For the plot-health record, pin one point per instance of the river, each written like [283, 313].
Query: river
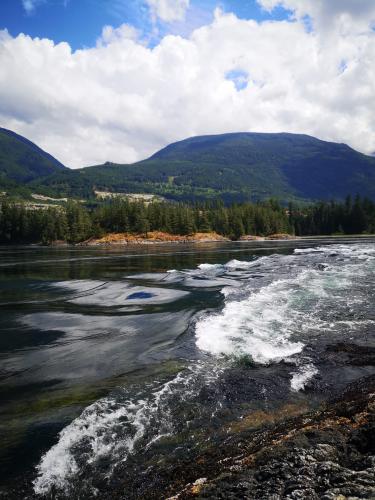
[119, 363]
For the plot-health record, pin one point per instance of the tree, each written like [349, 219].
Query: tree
[204, 223]
[79, 222]
[142, 225]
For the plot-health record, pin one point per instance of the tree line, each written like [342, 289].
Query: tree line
[75, 222]
[353, 216]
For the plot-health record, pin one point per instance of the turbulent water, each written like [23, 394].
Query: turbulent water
[116, 365]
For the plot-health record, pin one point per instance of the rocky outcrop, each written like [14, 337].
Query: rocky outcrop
[278, 236]
[351, 354]
[152, 237]
[327, 454]
[281, 236]
[251, 237]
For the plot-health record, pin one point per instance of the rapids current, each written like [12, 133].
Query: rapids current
[260, 344]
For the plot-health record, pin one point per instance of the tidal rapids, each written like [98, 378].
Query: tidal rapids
[178, 370]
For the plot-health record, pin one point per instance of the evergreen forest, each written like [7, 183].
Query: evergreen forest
[75, 222]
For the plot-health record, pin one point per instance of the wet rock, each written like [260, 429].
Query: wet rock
[351, 354]
[328, 454]
[321, 266]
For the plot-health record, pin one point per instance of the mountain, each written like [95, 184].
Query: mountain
[234, 167]
[273, 164]
[238, 166]
[22, 161]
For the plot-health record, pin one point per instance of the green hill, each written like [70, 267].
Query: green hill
[239, 166]
[235, 167]
[21, 161]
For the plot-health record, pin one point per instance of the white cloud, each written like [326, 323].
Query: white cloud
[345, 15]
[121, 100]
[168, 10]
[111, 35]
[31, 5]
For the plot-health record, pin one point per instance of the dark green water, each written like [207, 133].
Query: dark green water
[145, 340]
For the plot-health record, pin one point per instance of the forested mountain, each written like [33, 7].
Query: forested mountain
[22, 161]
[269, 164]
[235, 167]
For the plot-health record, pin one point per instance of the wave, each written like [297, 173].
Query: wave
[273, 321]
[111, 429]
[259, 326]
[303, 376]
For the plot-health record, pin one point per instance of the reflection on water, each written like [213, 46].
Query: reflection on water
[127, 351]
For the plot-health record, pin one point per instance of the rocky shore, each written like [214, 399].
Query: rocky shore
[291, 452]
[324, 454]
[158, 237]
[151, 238]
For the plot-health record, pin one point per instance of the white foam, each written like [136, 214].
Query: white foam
[113, 428]
[302, 376]
[259, 325]
[361, 251]
[241, 264]
[298, 251]
[266, 322]
[210, 267]
[93, 428]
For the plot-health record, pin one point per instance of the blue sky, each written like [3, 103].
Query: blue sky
[129, 92]
[80, 22]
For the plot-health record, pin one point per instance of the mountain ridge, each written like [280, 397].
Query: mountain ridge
[228, 135]
[239, 166]
[22, 161]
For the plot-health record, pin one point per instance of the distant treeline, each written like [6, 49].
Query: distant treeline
[354, 216]
[75, 223]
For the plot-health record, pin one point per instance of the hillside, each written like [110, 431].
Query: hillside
[236, 167]
[22, 161]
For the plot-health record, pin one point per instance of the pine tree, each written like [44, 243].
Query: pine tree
[204, 223]
[142, 225]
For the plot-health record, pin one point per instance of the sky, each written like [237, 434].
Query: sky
[92, 81]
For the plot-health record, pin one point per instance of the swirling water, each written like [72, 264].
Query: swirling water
[117, 363]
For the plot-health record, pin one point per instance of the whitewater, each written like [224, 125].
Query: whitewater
[275, 314]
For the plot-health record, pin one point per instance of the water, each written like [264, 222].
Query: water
[118, 365]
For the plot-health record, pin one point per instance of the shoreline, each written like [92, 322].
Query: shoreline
[161, 238]
[181, 240]
[135, 242]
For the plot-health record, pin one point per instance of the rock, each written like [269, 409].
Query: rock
[281, 236]
[152, 238]
[59, 243]
[351, 354]
[250, 237]
[330, 455]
